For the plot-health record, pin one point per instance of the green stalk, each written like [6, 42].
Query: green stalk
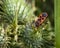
[16, 20]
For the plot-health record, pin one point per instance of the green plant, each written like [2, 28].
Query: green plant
[16, 17]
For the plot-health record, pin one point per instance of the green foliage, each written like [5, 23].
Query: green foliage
[16, 17]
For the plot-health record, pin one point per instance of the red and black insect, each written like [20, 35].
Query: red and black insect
[40, 19]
